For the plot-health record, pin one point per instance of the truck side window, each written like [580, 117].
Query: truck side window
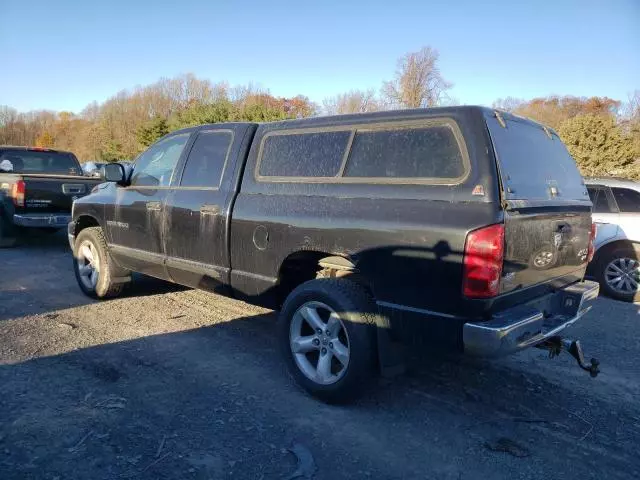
[431, 152]
[303, 154]
[155, 166]
[628, 200]
[207, 159]
[599, 199]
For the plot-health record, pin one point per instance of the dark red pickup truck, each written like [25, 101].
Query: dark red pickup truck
[37, 189]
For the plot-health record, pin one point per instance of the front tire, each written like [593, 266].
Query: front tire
[326, 333]
[94, 268]
[618, 273]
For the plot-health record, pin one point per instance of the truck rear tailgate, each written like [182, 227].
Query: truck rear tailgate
[54, 193]
[547, 209]
[541, 246]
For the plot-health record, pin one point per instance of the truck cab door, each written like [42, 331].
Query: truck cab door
[604, 213]
[138, 225]
[198, 209]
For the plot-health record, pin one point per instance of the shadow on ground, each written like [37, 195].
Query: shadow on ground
[214, 402]
[32, 273]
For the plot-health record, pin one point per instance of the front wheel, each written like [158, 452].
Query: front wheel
[618, 273]
[95, 271]
[327, 336]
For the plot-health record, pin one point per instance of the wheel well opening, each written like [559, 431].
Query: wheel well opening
[609, 247]
[85, 221]
[296, 269]
[302, 266]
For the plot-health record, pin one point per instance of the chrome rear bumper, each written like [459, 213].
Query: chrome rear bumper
[528, 325]
[54, 220]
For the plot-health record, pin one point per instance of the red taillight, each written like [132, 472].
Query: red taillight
[592, 239]
[17, 193]
[483, 258]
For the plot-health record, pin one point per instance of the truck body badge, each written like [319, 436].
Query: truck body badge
[112, 223]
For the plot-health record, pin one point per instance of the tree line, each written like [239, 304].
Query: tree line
[602, 134]
[126, 123]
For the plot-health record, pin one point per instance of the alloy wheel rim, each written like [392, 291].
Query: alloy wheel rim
[88, 264]
[623, 275]
[319, 343]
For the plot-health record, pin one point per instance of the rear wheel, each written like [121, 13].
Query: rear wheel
[618, 272]
[327, 337]
[97, 274]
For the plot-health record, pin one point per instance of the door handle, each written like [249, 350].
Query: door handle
[210, 210]
[153, 206]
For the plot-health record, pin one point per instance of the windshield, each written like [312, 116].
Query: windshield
[534, 163]
[36, 161]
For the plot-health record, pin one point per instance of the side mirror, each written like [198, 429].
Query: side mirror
[114, 172]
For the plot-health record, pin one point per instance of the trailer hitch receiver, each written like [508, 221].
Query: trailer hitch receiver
[555, 345]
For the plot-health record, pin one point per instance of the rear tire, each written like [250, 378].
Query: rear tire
[94, 268]
[614, 265]
[335, 360]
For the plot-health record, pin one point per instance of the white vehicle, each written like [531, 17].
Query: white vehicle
[92, 169]
[616, 211]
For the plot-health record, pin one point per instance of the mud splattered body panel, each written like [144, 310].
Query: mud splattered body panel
[408, 238]
[404, 226]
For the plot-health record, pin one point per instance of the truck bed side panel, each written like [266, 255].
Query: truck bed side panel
[417, 232]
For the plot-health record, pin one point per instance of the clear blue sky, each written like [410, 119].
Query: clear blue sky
[61, 55]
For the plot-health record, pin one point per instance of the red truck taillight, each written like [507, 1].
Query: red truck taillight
[482, 263]
[592, 238]
[17, 193]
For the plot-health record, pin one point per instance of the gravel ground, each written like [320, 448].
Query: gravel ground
[175, 383]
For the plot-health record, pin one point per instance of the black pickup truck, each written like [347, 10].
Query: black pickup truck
[37, 188]
[462, 226]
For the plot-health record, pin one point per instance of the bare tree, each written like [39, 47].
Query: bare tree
[630, 123]
[418, 81]
[508, 104]
[553, 110]
[9, 120]
[220, 91]
[91, 112]
[243, 95]
[354, 101]
[631, 108]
